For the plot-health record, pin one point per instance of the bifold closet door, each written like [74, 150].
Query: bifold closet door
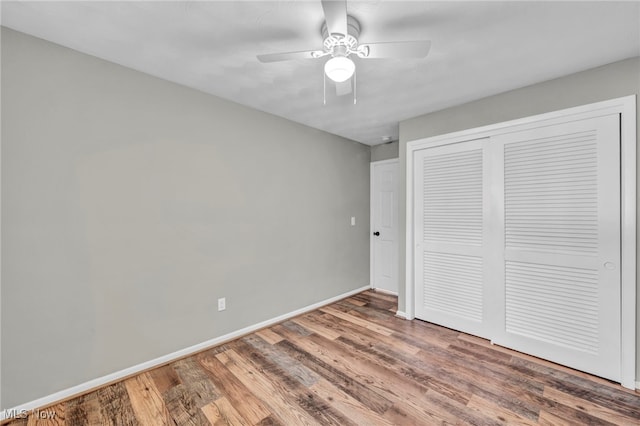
[449, 252]
[562, 244]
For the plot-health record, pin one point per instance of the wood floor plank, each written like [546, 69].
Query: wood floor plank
[495, 364]
[497, 413]
[354, 319]
[363, 335]
[504, 390]
[269, 421]
[438, 380]
[481, 353]
[295, 327]
[297, 391]
[548, 419]
[248, 405]
[269, 336]
[194, 391]
[84, 410]
[434, 408]
[52, 416]
[310, 325]
[213, 415]
[197, 382]
[575, 417]
[397, 415]
[616, 399]
[531, 374]
[398, 325]
[222, 412]
[355, 301]
[293, 368]
[411, 372]
[353, 363]
[184, 407]
[423, 413]
[380, 302]
[279, 399]
[474, 367]
[373, 295]
[115, 405]
[590, 408]
[146, 400]
[358, 390]
[357, 411]
[165, 378]
[445, 376]
[529, 358]
[457, 412]
[426, 340]
[384, 382]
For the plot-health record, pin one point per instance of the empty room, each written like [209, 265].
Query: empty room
[319, 212]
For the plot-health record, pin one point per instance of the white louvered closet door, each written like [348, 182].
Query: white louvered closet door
[517, 239]
[449, 253]
[562, 244]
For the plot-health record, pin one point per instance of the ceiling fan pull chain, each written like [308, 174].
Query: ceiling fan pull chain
[324, 88]
[355, 87]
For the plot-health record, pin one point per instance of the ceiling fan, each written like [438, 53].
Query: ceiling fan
[340, 34]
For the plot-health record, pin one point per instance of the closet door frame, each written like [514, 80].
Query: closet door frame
[626, 108]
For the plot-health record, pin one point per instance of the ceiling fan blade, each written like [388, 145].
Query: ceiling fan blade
[335, 13]
[395, 49]
[343, 88]
[288, 56]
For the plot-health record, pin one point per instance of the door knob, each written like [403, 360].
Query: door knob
[376, 233]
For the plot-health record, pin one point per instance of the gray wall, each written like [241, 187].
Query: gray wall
[598, 84]
[130, 204]
[386, 151]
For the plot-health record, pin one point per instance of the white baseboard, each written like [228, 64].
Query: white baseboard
[127, 372]
[381, 290]
[401, 314]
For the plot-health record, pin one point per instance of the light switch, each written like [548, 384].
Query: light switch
[353, 221]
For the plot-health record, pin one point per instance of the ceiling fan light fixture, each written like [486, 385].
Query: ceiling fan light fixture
[339, 68]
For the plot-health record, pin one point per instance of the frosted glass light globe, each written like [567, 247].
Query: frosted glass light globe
[339, 68]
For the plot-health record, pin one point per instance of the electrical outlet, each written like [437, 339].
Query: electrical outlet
[222, 304]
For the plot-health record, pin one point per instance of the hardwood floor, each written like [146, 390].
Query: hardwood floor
[354, 363]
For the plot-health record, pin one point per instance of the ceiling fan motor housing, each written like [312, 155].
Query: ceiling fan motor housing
[342, 44]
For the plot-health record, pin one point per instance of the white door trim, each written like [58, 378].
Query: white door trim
[626, 107]
[1, 406]
[371, 230]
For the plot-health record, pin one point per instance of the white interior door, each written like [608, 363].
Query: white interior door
[562, 244]
[384, 225]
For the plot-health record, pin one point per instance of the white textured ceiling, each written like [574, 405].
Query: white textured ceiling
[478, 49]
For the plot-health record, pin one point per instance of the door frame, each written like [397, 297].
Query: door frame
[626, 107]
[372, 166]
